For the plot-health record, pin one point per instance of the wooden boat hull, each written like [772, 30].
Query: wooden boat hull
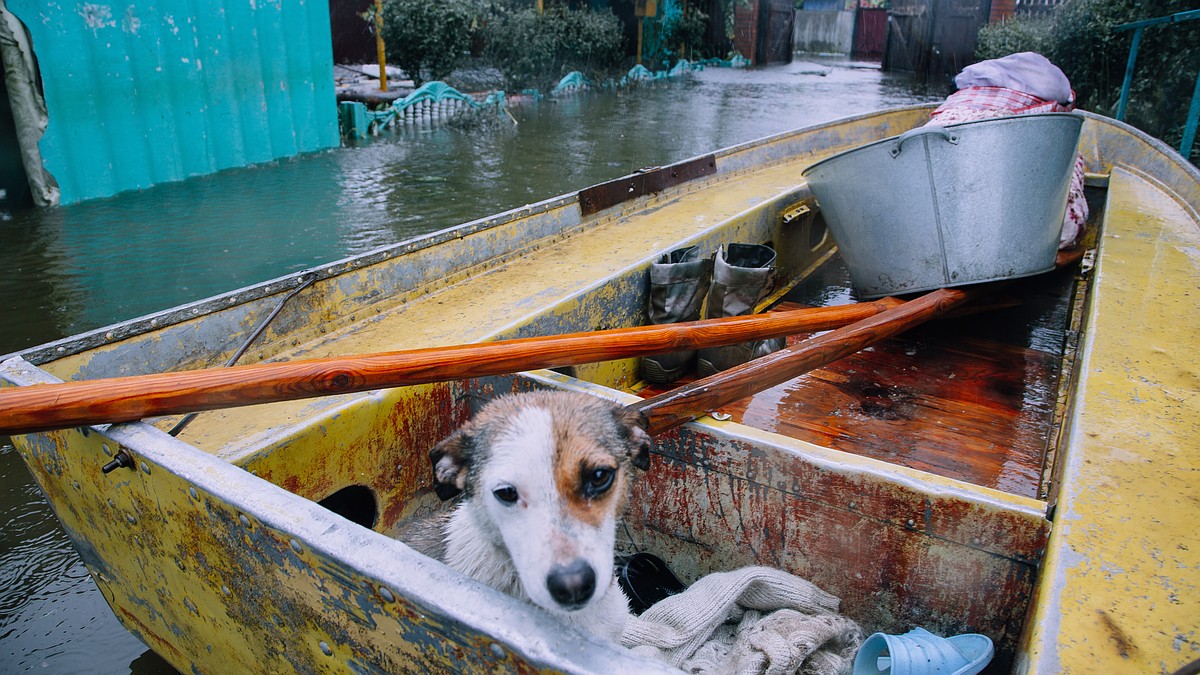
[214, 549]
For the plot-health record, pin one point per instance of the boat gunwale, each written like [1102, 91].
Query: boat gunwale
[1161, 150]
[1112, 589]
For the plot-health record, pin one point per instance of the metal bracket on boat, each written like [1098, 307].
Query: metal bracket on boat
[120, 460]
[645, 182]
[797, 211]
[302, 282]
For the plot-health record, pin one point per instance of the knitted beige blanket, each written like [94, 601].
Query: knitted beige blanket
[752, 620]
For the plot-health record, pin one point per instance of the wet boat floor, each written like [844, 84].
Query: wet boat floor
[971, 397]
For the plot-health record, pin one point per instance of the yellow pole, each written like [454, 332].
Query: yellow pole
[541, 7]
[379, 45]
[682, 16]
[639, 45]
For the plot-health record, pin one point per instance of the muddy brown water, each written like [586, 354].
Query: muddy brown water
[87, 265]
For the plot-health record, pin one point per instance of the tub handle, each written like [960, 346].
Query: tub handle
[945, 133]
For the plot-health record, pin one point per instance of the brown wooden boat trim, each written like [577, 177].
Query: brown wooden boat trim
[649, 181]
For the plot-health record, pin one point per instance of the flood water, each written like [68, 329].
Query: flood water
[87, 265]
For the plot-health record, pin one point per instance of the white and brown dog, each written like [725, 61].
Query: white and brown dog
[544, 477]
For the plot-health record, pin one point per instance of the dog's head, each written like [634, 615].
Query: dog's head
[547, 475]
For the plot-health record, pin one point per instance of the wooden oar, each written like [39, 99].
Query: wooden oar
[691, 401]
[684, 404]
[55, 406]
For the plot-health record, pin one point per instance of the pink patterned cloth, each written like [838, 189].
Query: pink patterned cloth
[980, 103]
[992, 102]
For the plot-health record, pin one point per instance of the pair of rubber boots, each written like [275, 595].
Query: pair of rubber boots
[734, 280]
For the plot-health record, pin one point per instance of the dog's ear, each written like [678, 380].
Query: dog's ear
[637, 425]
[450, 464]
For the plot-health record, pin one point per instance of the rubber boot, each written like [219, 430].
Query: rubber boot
[742, 276]
[678, 282]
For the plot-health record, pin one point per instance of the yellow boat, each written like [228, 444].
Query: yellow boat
[1027, 474]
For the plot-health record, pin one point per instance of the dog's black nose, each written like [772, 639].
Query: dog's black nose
[572, 585]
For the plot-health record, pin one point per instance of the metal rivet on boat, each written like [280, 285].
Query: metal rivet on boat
[911, 522]
[195, 310]
[60, 350]
[145, 468]
[187, 602]
[225, 590]
[104, 447]
[720, 416]
[325, 648]
[853, 506]
[245, 521]
[497, 650]
[976, 541]
[386, 594]
[193, 494]
[76, 483]
[296, 546]
[130, 517]
[108, 335]
[153, 322]
[111, 504]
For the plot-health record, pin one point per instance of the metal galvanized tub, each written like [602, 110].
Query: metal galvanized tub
[948, 206]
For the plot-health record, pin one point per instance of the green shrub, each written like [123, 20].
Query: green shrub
[536, 50]
[1011, 36]
[686, 30]
[424, 37]
[1094, 58]
[1078, 37]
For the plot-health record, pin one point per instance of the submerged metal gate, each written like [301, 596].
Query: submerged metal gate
[870, 32]
[780, 19]
[933, 38]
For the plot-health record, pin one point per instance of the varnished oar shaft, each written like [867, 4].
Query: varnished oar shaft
[124, 399]
[691, 401]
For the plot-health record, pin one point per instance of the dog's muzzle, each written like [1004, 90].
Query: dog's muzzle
[572, 585]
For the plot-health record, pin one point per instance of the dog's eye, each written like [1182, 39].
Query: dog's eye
[597, 481]
[506, 494]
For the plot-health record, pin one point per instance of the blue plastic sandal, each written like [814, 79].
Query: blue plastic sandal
[919, 652]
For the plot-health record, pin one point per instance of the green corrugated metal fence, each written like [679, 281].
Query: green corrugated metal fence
[142, 92]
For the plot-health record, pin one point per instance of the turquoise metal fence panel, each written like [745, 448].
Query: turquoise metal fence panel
[152, 91]
[1193, 117]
